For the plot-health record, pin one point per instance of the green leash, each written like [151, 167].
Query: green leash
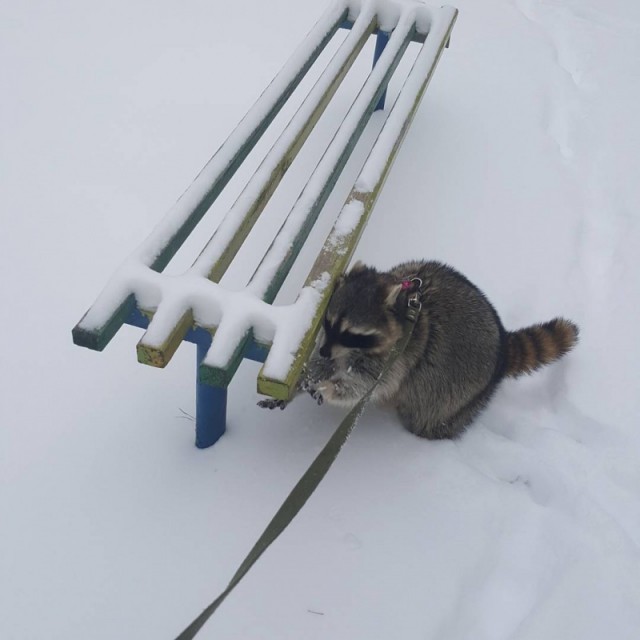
[312, 476]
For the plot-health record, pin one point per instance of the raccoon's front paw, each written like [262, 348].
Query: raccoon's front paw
[332, 390]
[339, 392]
[272, 403]
[309, 386]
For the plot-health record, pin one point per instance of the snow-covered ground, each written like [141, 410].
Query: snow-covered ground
[520, 170]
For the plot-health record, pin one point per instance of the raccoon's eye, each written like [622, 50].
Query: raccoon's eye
[358, 340]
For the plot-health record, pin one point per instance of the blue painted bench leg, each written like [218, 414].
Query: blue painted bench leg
[211, 408]
[381, 42]
[211, 402]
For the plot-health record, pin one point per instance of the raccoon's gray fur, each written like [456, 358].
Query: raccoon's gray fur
[458, 353]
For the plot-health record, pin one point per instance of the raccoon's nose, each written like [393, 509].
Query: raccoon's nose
[325, 351]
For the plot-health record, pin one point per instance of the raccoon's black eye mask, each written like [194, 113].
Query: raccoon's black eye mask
[349, 339]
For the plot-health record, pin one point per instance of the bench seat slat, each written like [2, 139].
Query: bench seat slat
[97, 327]
[275, 265]
[229, 325]
[156, 347]
[277, 262]
[340, 245]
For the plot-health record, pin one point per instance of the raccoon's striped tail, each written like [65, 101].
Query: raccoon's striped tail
[531, 348]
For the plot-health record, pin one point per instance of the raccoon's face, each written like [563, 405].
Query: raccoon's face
[360, 316]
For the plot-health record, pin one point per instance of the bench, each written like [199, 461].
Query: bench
[226, 325]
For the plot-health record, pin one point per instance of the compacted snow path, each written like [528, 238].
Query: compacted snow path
[519, 170]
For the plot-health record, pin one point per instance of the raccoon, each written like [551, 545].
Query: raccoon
[456, 357]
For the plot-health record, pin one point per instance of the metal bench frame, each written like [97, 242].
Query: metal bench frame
[122, 303]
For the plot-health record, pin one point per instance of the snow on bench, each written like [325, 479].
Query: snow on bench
[230, 325]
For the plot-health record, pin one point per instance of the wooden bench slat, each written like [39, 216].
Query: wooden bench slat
[339, 247]
[156, 347]
[267, 279]
[216, 256]
[95, 331]
[274, 267]
[229, 325]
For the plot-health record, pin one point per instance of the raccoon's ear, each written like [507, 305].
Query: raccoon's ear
[357, 267]
[392, 294]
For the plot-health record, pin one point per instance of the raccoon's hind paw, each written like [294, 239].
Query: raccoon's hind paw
[272, 403]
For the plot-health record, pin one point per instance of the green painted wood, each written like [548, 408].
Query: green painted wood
[202, 207]
[334, 257]
[221, 377]
[418, 36]
[97, 339]
[332, 260]
[228, 371]
[160, 355]
[220, 267]
[300, 238]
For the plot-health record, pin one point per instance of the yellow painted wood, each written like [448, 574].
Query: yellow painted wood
[335, 256]
[98, 338]
[285, 262]
[222, 264]
[333, 260]
[160, 355]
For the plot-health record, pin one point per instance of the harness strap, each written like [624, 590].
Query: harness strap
[308, 482]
